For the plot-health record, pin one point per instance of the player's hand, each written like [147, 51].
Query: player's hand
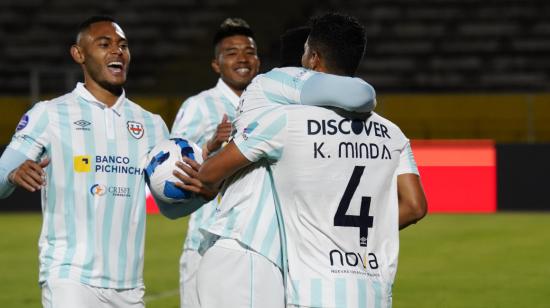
[190, 181]
[222, 134]
[30, 175]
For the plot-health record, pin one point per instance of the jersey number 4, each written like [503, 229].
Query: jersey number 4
[362, 221]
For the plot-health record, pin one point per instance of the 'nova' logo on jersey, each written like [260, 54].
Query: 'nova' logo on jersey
[136, 129]
[82, 163]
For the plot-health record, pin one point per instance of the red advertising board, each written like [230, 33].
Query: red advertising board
[459, 176]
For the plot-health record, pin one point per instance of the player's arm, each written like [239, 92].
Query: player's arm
[16, 169]
[262, 139]
[293, 85]
[222, 165]
[19, 164]
[412, 201]
[351, 94]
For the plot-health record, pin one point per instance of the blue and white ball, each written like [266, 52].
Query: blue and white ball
[162, 163]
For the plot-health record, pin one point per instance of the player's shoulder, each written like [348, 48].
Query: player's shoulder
[52, 104]
[204, 95]
[287, 74]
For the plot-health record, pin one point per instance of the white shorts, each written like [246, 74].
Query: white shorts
[231, 276]
[189, 265]
[66, 293]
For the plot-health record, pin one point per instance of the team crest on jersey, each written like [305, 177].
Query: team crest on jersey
[22, 123]
[136, 129]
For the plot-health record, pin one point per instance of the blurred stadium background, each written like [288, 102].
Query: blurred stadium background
[467, 80]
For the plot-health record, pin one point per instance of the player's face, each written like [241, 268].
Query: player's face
[106, 56]
[237, 61]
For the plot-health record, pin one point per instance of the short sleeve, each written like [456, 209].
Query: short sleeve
[31, 134]
[263, 136]
[407, 163]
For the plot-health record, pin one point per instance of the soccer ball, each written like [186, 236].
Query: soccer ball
[162, 162]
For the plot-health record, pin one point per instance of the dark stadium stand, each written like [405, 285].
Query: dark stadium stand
[415, 47]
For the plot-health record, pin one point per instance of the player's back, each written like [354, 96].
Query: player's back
[336, 182]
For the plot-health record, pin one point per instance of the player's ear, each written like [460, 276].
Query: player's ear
[76, 53]
[215, 65]
[315, 60]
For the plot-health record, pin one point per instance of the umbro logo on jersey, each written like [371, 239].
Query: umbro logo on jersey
[82, 163]
[136, 129]
[82, 125]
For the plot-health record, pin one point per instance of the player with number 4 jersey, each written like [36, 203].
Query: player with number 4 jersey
[335, 181]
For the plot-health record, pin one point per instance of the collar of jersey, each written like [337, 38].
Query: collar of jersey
[227, 92]
[88, 97]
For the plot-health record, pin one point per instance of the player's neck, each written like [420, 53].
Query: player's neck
[107, 96]
[238, 92]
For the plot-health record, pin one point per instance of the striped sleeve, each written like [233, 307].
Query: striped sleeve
[189, 123]
[264, 136]
[30, 136]
[292, 85]
[284, 85]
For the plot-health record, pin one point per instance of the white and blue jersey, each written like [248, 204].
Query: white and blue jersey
[93, 203]
[334, 176]
[247, 208]
[196, 121]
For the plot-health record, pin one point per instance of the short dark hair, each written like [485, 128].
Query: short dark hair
[340, 38]
[292, 46]
[231, 27]
[92, 20]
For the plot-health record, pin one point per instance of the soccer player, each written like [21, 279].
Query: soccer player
[244, 237]
[343, 183]
[206, 120]
[86, 151]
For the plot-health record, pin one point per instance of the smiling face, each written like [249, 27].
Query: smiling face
[236, 61]
[102, 50]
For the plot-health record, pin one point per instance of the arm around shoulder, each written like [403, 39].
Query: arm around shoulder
[351, 94]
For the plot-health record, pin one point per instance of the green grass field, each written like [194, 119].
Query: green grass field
[465, 261]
